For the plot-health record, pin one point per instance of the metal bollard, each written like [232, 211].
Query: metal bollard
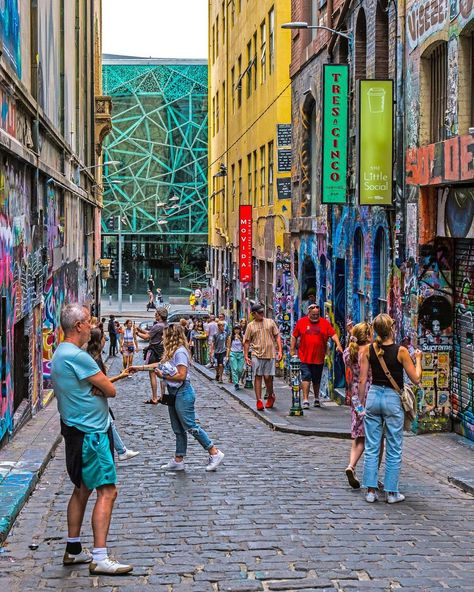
[131, 298]
[110, 299]
[248, 377]
[295, 380]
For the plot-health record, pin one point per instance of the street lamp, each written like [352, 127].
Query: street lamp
[303, 25]
[95, 166]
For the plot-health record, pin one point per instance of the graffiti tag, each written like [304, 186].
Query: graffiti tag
[424, 19]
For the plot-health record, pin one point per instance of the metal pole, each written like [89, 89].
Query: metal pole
[295, 374]
[120, 263]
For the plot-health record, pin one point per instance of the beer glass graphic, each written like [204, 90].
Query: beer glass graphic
[376, 98]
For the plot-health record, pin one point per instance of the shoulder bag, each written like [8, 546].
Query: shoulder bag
[407, 395]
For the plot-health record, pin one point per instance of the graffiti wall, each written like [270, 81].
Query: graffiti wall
[10, 33]
[283, 303]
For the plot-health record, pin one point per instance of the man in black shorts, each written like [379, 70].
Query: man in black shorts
[313, 333]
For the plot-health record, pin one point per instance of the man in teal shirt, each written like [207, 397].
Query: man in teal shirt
[82, 390]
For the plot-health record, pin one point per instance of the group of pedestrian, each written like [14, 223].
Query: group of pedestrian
[196, 298]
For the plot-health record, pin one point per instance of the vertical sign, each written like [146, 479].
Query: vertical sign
[375, 142]
[245, 243]
[335, 132]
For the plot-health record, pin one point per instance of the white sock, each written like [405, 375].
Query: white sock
[73, 539]
[99, 554]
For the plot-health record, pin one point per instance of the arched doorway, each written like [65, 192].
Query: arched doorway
[308, 284]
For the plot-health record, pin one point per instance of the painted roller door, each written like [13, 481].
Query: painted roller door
[463, 364]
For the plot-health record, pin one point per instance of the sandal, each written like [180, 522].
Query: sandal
[353, 481]
[151, 402]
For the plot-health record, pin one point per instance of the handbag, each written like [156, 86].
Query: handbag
[169, 398]
[406, 394]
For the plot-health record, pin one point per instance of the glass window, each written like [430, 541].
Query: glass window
[439, 92]
[239, 81]
[263, 52]
[217, 112]
[232, 78]
[217, 37]
[234, 192]
[271, 39]
[254, 61]
[255, 179]
[270, 173]
[240, 181]
[380, 272]
[263, 174]
[359, 277]
[249, 178]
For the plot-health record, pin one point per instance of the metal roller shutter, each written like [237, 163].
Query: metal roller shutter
[463, 365]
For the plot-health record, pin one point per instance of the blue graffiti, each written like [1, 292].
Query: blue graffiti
[10, 37]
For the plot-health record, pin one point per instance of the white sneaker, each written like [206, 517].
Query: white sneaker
[127, 454]
[172, 465]
[85, 556]
[214, 461]
[394, 498]
[371, 497]
[109, 566]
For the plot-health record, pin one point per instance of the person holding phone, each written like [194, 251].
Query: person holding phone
[128, 343]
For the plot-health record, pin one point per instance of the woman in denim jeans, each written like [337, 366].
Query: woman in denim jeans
[383, 407]
[182, 414]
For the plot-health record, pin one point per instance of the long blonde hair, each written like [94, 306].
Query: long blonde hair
[360, 335]
[383, 325]
[174, 337]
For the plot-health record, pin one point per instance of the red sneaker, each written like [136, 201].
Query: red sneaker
[259, 405]
[270, 401]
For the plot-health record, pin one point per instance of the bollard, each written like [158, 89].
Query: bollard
[295, 380]
[248, 377]
[110, 299]
[131, 298]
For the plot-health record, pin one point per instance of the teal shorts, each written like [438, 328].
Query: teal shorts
[98, 467]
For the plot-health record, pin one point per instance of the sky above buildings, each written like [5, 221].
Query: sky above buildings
[155, 28]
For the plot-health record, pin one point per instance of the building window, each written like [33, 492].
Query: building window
[232, 13]
[361, 46]
[249, 178]
[271, 39]
[249, 69]
[232, 78]
[224, 103]
[217, 112]
[255, 179]
[381, 42]
[234, 192]
[313, 143]
[239, 81]
[255, 61]
[239, 184]
[270, 173]
[263, 174]
[223, 23]
[359, 277]
[263, 52]
[380, 271]
[322, 282]
[438, 92]
[217, 37]
[213, 52]
[214, 116]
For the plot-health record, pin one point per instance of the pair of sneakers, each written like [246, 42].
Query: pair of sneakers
[393, 497]
[212, 464]
[107, 566]
[268, 404]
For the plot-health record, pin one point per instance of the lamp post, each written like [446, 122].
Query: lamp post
[119, 286]
[295, 379]
[303, 25]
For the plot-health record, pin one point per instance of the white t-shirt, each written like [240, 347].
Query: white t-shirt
[180, 358]
[197, 293]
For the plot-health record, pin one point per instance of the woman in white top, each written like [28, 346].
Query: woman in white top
[182, 414]
[128, 343]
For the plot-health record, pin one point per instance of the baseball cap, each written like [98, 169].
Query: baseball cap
[257, 308]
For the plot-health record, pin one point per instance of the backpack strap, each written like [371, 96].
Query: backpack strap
[386, 370]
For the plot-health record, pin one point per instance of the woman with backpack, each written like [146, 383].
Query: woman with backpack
[174, 370]
[383, 406]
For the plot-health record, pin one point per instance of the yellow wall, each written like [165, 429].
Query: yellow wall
[269, 220]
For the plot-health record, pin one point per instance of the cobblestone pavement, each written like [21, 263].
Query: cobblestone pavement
[277, 515]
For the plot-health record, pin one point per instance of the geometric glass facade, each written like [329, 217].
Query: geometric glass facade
[158, 184]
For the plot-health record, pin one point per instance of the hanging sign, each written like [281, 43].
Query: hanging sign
[245, 243]
[375, 142]
[335, 132]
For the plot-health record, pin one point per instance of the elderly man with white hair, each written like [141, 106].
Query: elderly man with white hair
[82, 390]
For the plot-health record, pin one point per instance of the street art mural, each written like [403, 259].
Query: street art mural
[10, 33]
[435, 333]
[283, 304]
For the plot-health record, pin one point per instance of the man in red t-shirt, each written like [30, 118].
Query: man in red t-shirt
[313, 333]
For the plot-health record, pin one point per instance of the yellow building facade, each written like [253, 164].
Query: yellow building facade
[249, 161]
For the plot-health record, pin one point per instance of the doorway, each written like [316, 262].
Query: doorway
[339, 318]
[20, 364]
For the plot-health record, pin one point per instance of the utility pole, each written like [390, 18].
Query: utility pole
[119, 264]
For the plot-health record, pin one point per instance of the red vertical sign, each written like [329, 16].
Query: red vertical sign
[245, 243]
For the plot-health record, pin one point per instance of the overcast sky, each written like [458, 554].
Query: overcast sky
[155, 28]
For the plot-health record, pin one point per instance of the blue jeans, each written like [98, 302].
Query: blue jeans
[383, 406]
[118, 444]
[183, 421]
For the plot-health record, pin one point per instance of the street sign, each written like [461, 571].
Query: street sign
[335, 133]
[245, 243]
[375, 142]
[283, 134]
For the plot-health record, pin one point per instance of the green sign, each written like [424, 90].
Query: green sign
[375, 142]
[335, 133]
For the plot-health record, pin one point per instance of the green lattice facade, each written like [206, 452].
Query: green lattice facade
[159, 137]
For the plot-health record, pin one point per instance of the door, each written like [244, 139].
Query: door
[20, 364]
[463, 363]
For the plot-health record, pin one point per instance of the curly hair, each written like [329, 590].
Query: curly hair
[360, 335]
[174, 337]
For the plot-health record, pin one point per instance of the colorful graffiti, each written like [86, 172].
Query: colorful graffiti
[10, 33]
[283, 303]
